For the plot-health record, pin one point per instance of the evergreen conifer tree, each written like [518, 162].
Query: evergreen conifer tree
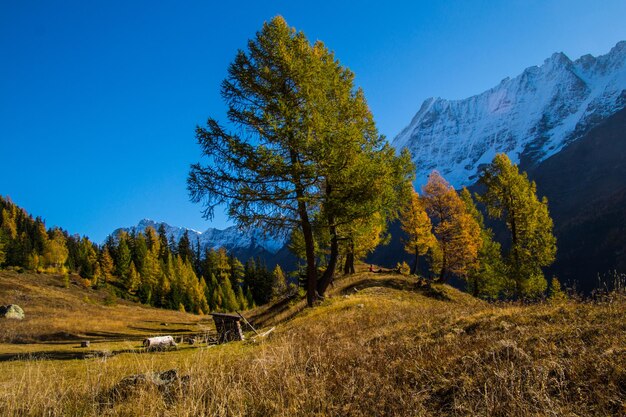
[241, 300]
[236, 271]
[511, 196]
[213, 300]
[310, 138]
[133, 280]
[249, 299]
[279, 285]
[184, 248]
[124, 257]
[106, 265]
[164, 246]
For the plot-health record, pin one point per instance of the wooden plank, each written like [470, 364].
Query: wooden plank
[248, 323]
[226, 316]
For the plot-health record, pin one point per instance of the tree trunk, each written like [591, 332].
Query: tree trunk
[417, 257]
[307, 233]
[475, 292]
[442, 273]
[327, 277]
[348, 267]
[515, 250]
[311, 270]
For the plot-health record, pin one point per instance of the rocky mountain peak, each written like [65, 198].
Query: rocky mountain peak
[530, 117]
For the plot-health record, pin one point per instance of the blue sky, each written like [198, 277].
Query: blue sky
[99, 100]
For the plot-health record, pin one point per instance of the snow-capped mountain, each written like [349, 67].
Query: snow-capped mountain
[230, 238]
[530, 117]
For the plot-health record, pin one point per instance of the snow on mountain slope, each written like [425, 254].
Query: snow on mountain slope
[529, 117]
[229, 238]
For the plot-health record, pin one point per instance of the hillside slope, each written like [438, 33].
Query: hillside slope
[55, 313]
[382, 345]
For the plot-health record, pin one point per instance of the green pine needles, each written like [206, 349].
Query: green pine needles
[305, 153]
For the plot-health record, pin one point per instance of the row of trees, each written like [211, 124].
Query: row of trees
[26, 242]
[448, 229]
[148, 265]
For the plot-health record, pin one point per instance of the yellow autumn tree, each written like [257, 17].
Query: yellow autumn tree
[361, 237]
[418, 228]
[457, 232]
[107, 267]
[55, 251]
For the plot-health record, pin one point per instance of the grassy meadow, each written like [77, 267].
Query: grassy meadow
[380, 345]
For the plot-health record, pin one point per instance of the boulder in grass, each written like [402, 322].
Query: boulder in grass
[170, 384]
[12, 311]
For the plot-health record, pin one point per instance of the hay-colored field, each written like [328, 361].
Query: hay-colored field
[58, 318]
[381, 345]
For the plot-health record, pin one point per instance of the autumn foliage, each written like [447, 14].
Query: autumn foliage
[449, 230]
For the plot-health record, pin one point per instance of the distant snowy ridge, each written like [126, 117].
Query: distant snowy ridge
[229, 238]
[530, 117]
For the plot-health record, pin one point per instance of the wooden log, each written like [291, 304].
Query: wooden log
[159, 342]
[264, 334]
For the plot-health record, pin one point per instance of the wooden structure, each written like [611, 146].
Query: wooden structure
[228, 327]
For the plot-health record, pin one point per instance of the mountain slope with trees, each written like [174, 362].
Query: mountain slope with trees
[146, 266]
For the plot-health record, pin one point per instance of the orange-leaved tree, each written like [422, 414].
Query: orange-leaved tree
[457, 232]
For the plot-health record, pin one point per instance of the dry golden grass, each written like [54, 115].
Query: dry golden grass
[390, 348]
[55, 313]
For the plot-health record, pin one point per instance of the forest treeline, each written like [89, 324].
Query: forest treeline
[146, 266]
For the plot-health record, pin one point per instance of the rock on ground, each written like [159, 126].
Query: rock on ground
[12, 311]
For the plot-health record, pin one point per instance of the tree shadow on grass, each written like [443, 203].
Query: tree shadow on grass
[289, 307]
[263, 318]
[181, 323]
[164, 330]
[402, 284]
[64, 337]
[62, 355]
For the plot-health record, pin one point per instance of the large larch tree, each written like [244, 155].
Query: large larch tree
[302, 138]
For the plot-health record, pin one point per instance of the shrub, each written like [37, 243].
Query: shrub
[403, 268]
